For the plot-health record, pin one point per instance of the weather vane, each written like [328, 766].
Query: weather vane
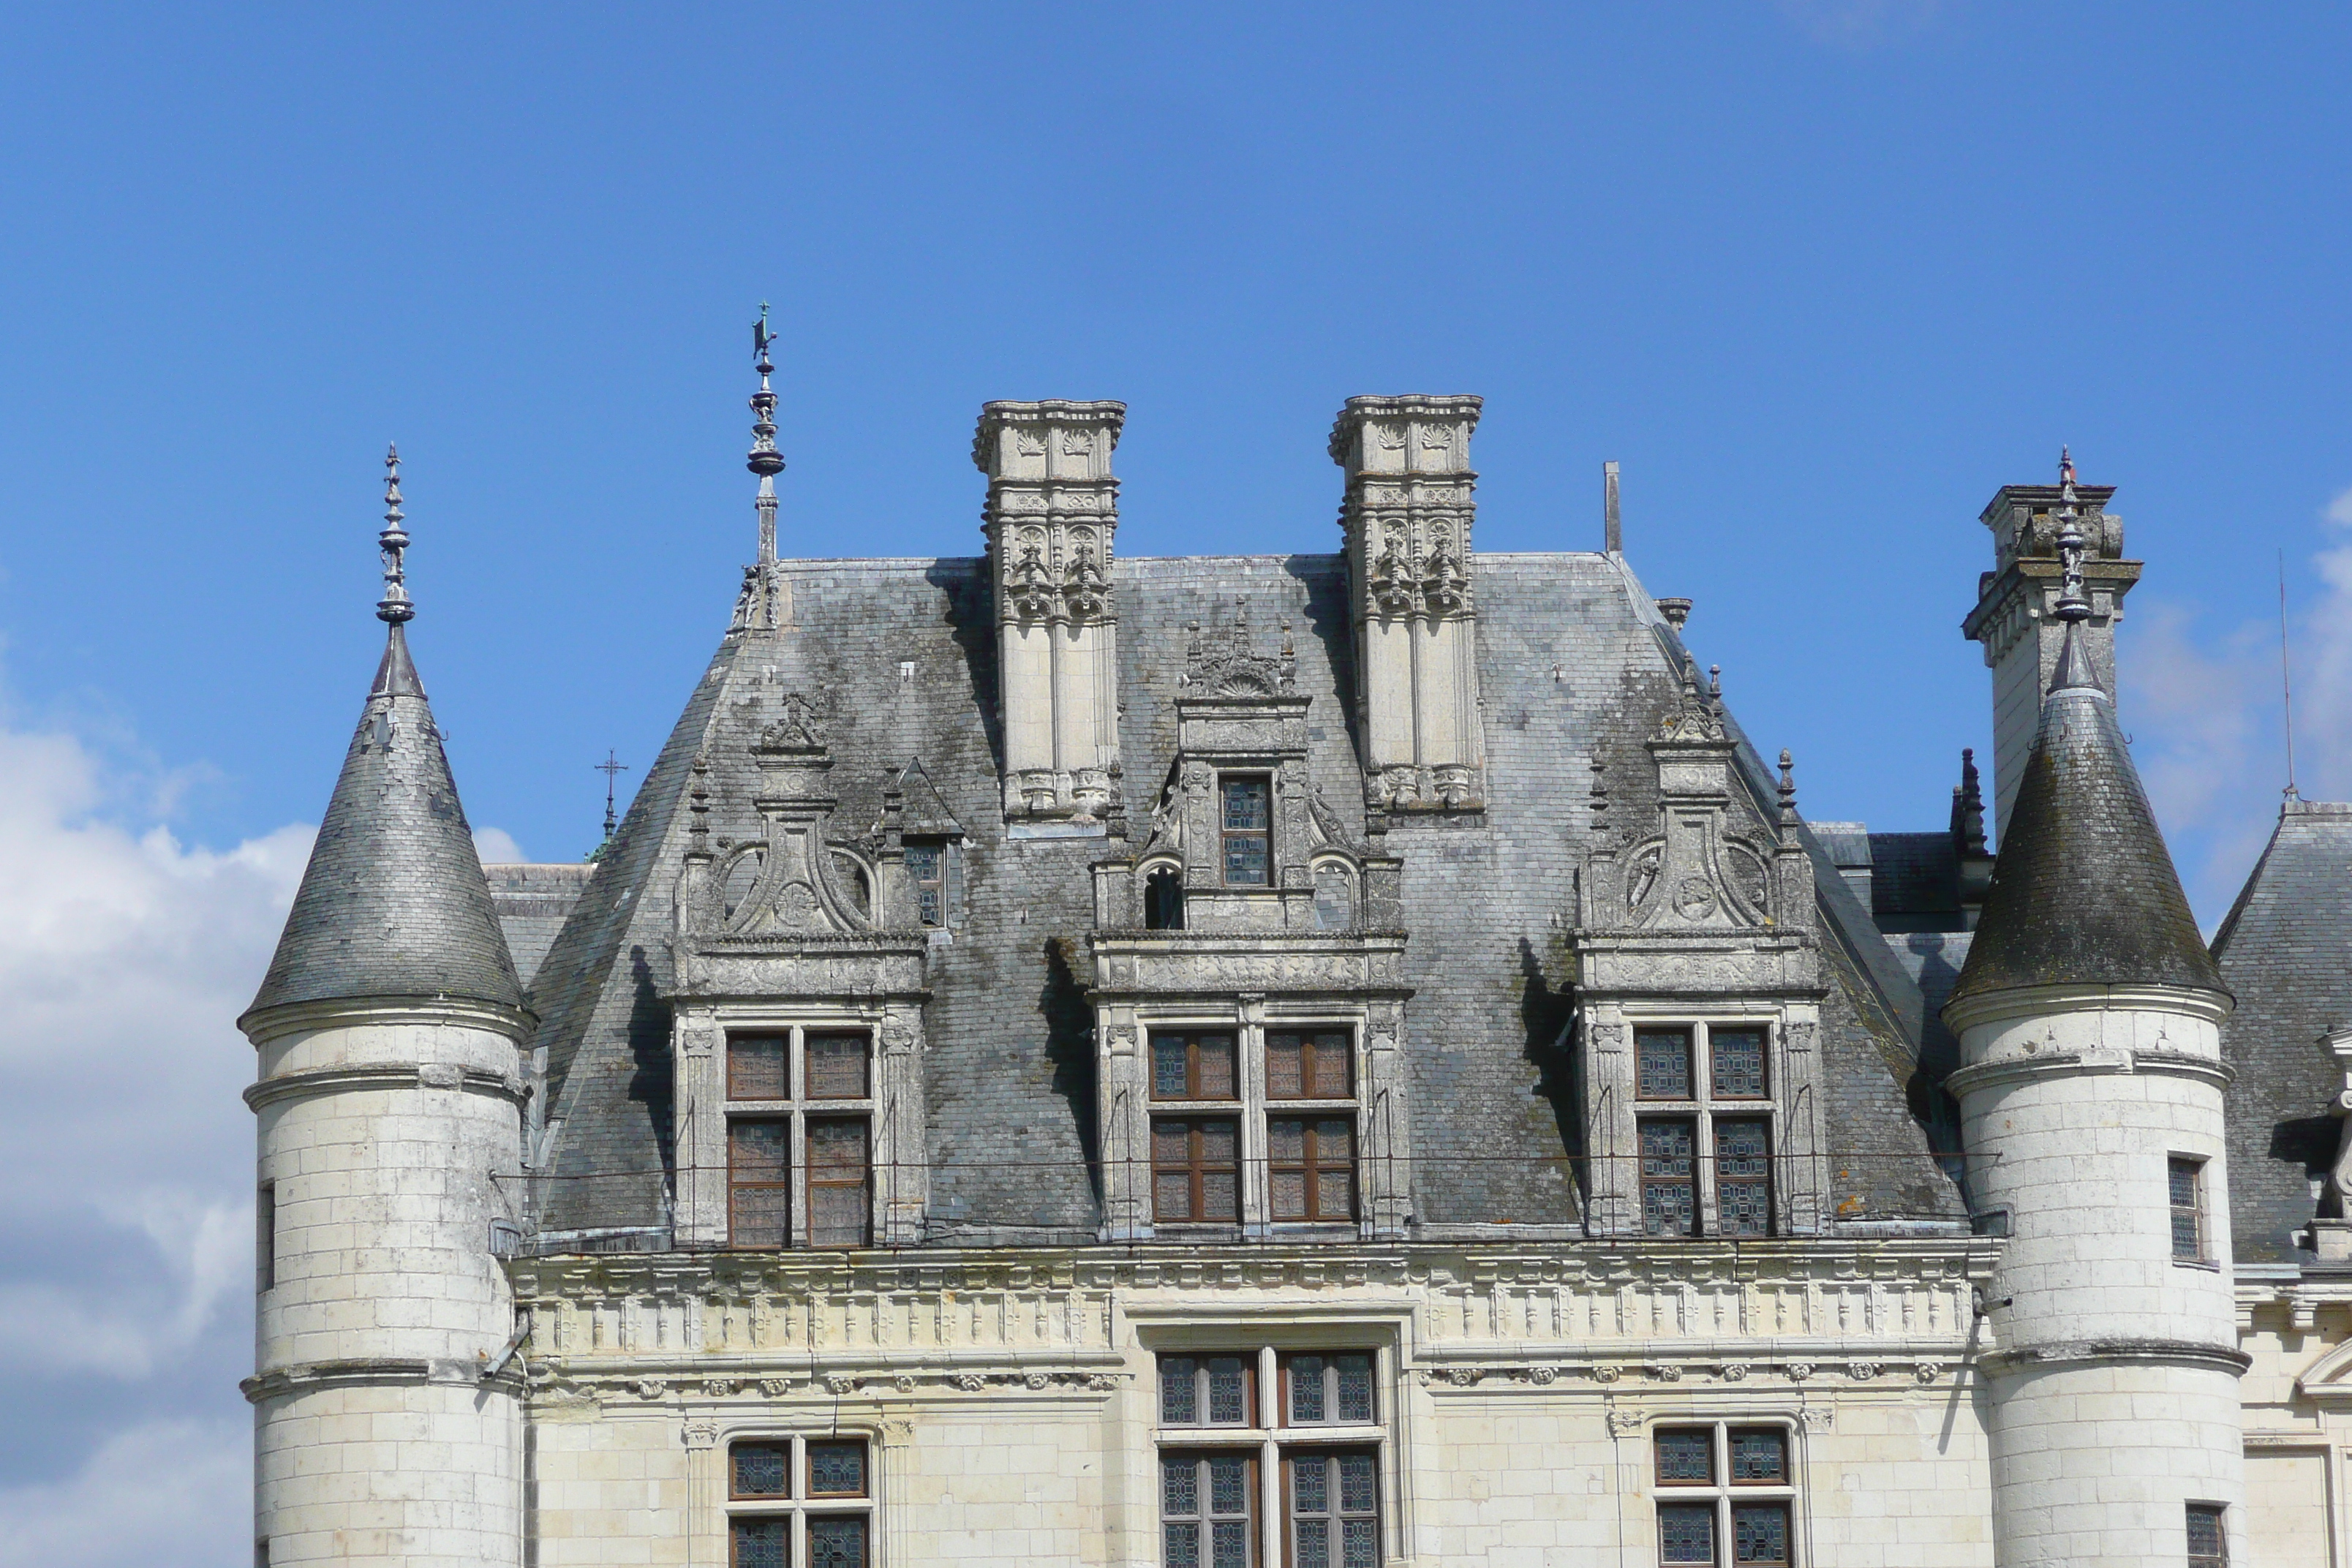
[611, 767]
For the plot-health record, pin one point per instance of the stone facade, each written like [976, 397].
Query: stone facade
[1288, 1061]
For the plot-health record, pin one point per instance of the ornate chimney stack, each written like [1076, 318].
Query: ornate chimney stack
[1406, 519]
[1051, 518]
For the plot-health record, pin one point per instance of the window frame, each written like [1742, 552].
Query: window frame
[1723, 1493]
[2195, 1211]
[935, 885]
[1255, 1110]
[1703, 1109]
[1274, 1442]
[800, 1502]
[1227, 836]
[797, 1109]
[2219, 1514]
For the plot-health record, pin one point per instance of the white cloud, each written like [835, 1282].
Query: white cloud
[126, 1201]
[2204, 710]
[496, 847]
[163, 1491]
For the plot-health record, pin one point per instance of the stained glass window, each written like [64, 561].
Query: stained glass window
[1661, 1064]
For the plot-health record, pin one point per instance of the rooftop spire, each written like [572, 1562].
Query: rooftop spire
[764, 461]
[393, 903]
[394, 608]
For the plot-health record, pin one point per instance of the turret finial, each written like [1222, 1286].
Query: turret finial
[2072, 606]
[394, 608]
[1787, 788]
[764, 460]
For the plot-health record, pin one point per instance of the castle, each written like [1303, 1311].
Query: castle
[1299, 1061]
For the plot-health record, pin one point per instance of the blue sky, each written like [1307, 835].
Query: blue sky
[1820, 275]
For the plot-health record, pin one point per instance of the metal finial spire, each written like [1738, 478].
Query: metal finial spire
[2072, 606]
[394, 606]
[611, 767]
[764, 461]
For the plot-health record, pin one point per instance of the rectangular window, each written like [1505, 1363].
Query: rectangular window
[1327, 1390]
[1736, 1059]
[1207, 1391]
[811, 1493]
[1206, 1509]
[264, 1236]
[1332, 1500]
[758, 1066]
[839, 1178]
[836, 1066]
[1304, 1065]
[1248, 820]
[1669, 1186]
[759, 1182]
[1196, 1170]
[1743, 1177]
[1310, 1164]
[1661, 1064]
[1195, 1066]
[1721, 1483]
[927, 869]
[2187, 1178]
[2208, 1543]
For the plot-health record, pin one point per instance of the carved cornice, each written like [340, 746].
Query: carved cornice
[2107, 1352]
[381, 1075]
[277, 1383]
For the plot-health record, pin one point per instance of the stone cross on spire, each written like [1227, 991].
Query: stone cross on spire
[395, 606]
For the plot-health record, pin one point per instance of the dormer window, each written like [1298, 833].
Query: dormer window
[927, 867]
[1248, 817]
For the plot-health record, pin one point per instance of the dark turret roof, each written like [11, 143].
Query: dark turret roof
[2084, 892]
[392, 903]
[2286, 952]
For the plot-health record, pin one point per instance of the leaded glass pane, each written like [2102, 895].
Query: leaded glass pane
[1355, 1381]
[1743, 1178]
[1759, 1454]
[1314, 1536]
[836, 1469]
[1310, 1486]
[837, 1067]
[1685, 1457]
[1306, 1389]
[837, 1542]
[1171, 1197]
[1229, 1485]
[1738, 1063]
[1179, 1402]
[1218, 1056]
[1183, 1545]
[1245, 804]
[1220, 1196]
[763, 1469]
[1246, 860]
[1288, 1190]
[1360, 1543]
[1759, 1533]
[1230, 1543]
[1286, 1138]
[763, 1542]
[1663, 1064]
[2184, 1235]
[1228, 1392]
[1284, 1059]
[1356, 1489]
[755, 1068]
[1168, 1077]
[2209, 1544]
[1686, 1532]
[1669, 1198]
[2183, 1175]
[1179, 1487]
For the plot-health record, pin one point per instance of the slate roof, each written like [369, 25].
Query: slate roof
[392, 902]
[2286, 952]
[2084, 891]
[899, 655]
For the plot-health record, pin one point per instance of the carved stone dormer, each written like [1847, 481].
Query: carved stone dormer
[1696, 944]
[803, 944]
[1406, 519]
[1250, 911]
[1051, 519]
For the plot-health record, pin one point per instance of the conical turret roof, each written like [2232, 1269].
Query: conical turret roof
[2084, 892]
[392, 903]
